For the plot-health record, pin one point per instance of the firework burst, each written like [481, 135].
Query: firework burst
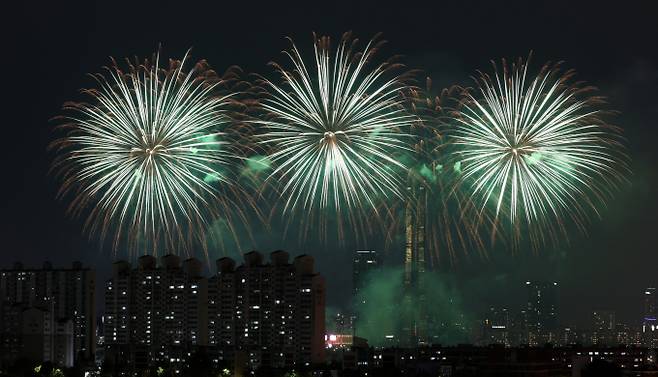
[332, 130]
[537, 149]
[146, 157]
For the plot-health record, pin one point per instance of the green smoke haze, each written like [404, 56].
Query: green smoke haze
[384, 306]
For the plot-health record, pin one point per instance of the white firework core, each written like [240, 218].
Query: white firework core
[146, 155]
[536, 148]
[335, 129]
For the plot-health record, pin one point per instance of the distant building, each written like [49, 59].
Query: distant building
[649, 319]
[650, 303]
[541, 312]
[623, 334]
[46, 338]
[364, 263]
[48, 314]
[155, 313]
[350, 352]
[569, 336]
[267, 314]
[496, 326]
[498, 361]
[604, 328]
[344, 341]
[100, 341]
[342, 323]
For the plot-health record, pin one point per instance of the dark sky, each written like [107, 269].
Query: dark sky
[48, 47]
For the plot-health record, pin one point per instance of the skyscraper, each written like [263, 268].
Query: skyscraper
[415, 262]
[58, 305]
[415, 329]
[541, 312]
[364, 263]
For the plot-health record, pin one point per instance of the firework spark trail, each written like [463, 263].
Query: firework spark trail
[537, 149]
[148, 155]
[332, 130]
[453, 224]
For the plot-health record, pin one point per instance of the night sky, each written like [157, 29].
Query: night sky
[49, 47]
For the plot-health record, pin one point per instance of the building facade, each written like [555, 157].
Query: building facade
[267, 314]
[155, 313]
[48, 314]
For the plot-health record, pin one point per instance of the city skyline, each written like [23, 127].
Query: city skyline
[607, 268]
[43, 288]
[516, 298]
